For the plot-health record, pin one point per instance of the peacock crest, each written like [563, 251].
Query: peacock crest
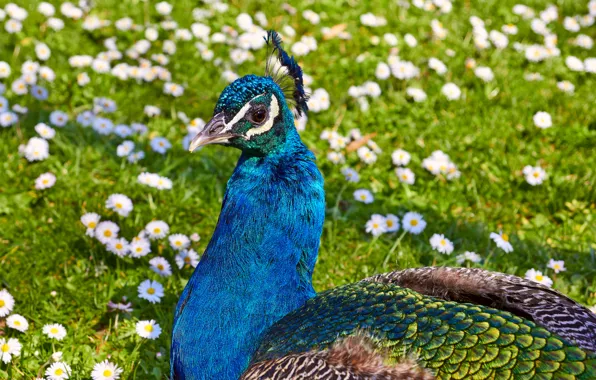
[286, 72]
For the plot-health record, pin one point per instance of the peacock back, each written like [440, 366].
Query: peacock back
[451, 339]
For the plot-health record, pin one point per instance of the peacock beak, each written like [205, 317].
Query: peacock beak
[214, 132]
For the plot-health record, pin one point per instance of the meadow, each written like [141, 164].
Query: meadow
[477, 116]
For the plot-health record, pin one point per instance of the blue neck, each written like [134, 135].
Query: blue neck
[257, 267]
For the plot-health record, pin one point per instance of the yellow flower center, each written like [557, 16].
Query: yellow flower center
[119, 246]
[107, 373]
[160, 266]
[54, 330]
[45, 181]
[151, 291]
[118, 205]
[91, 225]
[443, 242]
[187, 259]
[107, 233]
[375, 225]
[58, 372]
[139, 249]
[505, 237]
[539, 277]
[404, 177]
[389, 223]
[536, 174]
[178, 243]
[17, 323]
[156, 230]
[5, 347]
[2, 303]
[149, 328]
[413, 222]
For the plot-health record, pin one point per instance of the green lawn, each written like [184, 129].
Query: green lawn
[57, 274]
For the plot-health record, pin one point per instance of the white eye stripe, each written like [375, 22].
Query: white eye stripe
[269, 123]
[239, 115]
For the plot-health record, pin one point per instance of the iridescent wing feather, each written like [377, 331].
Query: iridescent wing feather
[451, 339]
[536, 302]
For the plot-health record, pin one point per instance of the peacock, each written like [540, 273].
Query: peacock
[250, 311]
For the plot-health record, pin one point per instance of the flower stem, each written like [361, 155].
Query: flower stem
[394, 247]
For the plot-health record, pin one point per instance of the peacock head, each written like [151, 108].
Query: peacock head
[253, 113]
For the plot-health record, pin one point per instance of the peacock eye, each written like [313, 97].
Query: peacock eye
[259, 115]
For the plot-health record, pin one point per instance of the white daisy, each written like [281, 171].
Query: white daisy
[391, 223]
[119, 203]
[6, 302]
[187, 257]
[58, 118]
[157, 229]
[90, 221]
[179, 241]
[366, 155]
[502, 241]
[410, 40]
[58, 371]
[139, 248]
[574, 63]
[119, 246]
[9, 348]
[543, 120]
[37, 149]
[125, 148]
[537, 276]
[468, 256]
[160, 144]
[413, 222]
[55, 331]
[150, 290]
[364, 196]
[148, 329]
[17, 322]
[350, 174]
[45, 131]
[405, 175]
[376, 225]
[440, 243]
[163, 183]
[566, 86]
[161, 266]
[484, 73]
[451, 91]
[45, 181]
[400, 157]
[534, 175]
[437, 65]
[106, 231]
[57, 356]
[336, 157]
[105, 371]
[416, 94]
[557, 265]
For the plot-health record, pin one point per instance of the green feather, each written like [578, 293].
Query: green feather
[455, 340]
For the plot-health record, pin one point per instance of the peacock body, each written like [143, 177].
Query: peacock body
[454, 340]
[250, 311]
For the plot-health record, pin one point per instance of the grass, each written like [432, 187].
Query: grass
[488, 133]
